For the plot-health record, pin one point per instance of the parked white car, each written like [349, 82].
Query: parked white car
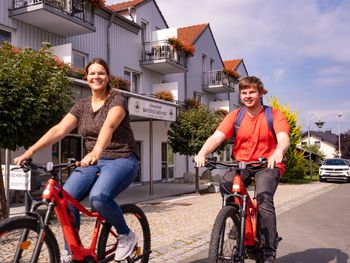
[336, 169]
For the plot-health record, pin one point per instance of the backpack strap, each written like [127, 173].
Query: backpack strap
[269, 118]
[239, 119]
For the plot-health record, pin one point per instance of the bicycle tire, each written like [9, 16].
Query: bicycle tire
[10, 233]
[225, 236]
[138, 223]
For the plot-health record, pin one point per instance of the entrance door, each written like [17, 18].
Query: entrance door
[167, 162]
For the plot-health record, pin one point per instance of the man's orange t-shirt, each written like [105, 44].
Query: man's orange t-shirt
[254, 138]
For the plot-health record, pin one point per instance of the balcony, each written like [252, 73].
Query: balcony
[62, 17]
[217, 81]
[161, 57]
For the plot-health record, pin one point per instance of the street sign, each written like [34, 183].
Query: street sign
[19, 180]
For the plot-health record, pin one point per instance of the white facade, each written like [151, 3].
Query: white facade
[327, 148]
[120, 43]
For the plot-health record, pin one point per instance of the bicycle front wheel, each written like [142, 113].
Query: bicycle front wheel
[18, 236]
[138, 223]
[225, 236]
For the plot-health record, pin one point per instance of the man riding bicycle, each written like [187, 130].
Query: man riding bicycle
[255, 138]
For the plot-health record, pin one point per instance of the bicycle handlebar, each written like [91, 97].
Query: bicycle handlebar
[212, 163]
[49, 167]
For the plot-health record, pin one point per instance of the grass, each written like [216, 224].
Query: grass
[305, 180]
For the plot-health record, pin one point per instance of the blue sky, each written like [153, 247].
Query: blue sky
[300, 49]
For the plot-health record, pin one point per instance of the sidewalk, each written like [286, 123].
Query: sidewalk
[141, 193]
[181, 221]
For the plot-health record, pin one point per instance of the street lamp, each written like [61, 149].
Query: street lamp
[339, 116]
[319, 124]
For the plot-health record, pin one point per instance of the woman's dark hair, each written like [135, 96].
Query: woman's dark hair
[104, 64]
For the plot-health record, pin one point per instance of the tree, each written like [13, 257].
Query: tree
[295, 163]
[191, 129]
[345, 144]
[34, 95]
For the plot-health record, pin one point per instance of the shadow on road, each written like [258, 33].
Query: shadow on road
[316, 255]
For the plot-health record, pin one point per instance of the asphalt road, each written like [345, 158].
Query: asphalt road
[317, 231]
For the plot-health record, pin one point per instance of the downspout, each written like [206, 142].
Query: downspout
[185, 81]
[109, 39]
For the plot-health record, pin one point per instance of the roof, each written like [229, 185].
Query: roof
[326, 136]
[125, 5]
[189, 35]
[134, 3]
[232, 64]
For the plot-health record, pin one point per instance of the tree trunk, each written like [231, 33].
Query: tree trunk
[3, 201]
[196, 180]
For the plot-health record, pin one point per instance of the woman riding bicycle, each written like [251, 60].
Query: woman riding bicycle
[110, 165]
[254, 139]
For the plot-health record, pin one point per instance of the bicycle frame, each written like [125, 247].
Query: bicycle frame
[57, 199]
[249, 213]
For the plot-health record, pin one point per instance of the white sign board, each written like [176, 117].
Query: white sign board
[19, 180]
[150, 109]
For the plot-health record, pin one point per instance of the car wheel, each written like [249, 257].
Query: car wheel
[321, 179]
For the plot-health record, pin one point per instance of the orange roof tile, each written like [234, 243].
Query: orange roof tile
[232, 64]
[188, 35]
[125, 5]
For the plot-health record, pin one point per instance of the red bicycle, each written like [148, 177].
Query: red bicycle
[234, 236]
[29, 238]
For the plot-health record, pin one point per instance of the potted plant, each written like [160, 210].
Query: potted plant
[231, 73]
[166, 95]
[187, 49]
[97, 4]
[119, 83]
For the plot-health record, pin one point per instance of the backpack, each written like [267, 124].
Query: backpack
[268, 116]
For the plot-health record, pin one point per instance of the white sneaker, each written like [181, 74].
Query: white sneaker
[66, 257]
[126, 245]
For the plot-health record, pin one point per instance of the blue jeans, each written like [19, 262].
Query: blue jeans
[114, 176]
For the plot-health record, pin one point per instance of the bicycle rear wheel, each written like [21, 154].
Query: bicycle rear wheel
[138, 223]
[11, 231]
[225, 236]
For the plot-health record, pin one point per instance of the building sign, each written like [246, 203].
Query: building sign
[19, 180]
[150, 109]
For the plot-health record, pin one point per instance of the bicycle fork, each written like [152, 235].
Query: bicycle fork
[41, 236]
[241, 248]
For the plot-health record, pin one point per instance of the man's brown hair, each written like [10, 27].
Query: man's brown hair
[252, 82]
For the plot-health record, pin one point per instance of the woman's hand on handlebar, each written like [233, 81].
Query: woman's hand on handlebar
[89, 159]
[200, 160]
[22, 158]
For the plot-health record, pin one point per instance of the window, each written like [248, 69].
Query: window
[5, 36]
[204, 62]
[197, 96]
[212, 61]
[69, 147]
[79, 59]
[134, 79]
[167, 162]
[144, 37]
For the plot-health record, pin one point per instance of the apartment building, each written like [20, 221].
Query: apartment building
[133, 38]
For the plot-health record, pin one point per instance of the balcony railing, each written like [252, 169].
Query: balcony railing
[217, 81]
[76, 16]
[162, 57]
